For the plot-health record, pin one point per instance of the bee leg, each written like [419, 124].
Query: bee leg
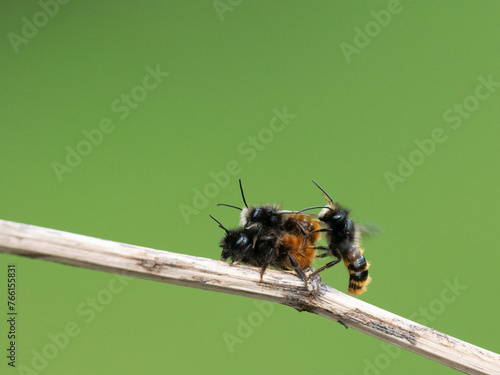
[322, 230]
[236, 259]
[264, 267]
[324, 248]
[303, 231]
[303, 243]
[267, 261]
[328, 265]
[254, 242]
[297, 269]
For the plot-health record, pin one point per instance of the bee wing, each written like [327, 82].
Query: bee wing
[369, 230]
[288, 212]
[311, 208]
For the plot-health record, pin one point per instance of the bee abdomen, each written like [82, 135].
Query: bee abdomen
[358, 275]
[292, 245]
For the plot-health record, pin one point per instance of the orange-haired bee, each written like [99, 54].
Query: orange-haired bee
[301, 232]
[343, 237]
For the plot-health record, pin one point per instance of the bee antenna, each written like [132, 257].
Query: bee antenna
[218, 222]
[324, 192]
[243, 195]
[228, 205]
[311, 208]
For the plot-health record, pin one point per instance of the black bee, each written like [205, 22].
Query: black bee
[343, 237]
[264, 217]
[252, 246]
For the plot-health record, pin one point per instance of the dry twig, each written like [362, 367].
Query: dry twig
[278, 286]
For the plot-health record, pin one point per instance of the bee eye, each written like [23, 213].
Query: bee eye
[257, 213]
[337, 217]
[241, 241]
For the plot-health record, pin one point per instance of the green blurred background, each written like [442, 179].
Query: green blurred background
[363, 85]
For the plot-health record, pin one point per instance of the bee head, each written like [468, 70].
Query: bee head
[267, 216]
[333, 216]
[235, 244]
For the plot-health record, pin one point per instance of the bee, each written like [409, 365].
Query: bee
[343, 238]
[270, 236]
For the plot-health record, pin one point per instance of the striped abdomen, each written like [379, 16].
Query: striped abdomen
[357, 266]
